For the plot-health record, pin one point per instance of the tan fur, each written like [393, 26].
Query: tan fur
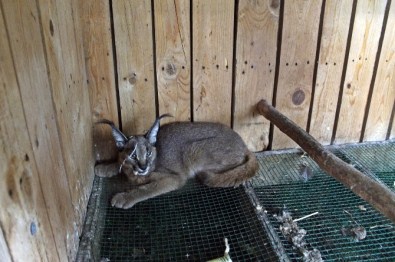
[232, 177]
[164, 159]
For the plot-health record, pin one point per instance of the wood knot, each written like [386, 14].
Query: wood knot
[298, 97]
[274, 7]
[169, 70]
[202, 93]
[133, 79]
[275, 4]
[33, 228]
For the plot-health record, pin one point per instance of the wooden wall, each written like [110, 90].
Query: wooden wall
[46, 159]
[328, 65]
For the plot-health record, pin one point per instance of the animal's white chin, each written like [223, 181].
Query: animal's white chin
[140, 173]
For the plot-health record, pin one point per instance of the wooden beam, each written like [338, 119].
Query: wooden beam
[379, 196]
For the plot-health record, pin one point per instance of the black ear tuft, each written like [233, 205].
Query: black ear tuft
[153, 132]
[119, 137]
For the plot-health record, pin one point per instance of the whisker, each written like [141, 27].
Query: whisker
[120, 168]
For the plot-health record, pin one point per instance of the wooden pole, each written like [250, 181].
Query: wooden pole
[376, 194]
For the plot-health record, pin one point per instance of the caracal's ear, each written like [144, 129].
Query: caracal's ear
[119, 137]
[153, 132]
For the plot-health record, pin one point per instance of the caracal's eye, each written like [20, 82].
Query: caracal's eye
[134, 156]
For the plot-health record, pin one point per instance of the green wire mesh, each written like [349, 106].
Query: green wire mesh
[377, 159]
[186, 225]
[190, 224]
[281, 184]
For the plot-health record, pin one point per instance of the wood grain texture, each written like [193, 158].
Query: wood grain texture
[330, 67]
[134, 47]
[212, 59]
[23, 207]
[96, 23]
[4, 251]
[67, 77]
[25, 36]
[256, 62]
[298, 51]
[383, 96]
[173, 58]
[363, 50]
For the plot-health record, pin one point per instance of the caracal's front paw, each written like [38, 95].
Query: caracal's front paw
[123, 200]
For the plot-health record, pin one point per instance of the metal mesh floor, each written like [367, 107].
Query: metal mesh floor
[190, 224]
[186, 225]
[280, 185]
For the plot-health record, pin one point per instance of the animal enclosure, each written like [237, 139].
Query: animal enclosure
[64, 64]
[190, 224]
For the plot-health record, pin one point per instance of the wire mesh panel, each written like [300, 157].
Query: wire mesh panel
[185, 225]
[283, 185]
[378, 158]
[190, 224]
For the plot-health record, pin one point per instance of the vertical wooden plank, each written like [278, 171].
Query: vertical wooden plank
[77, 139]
[23, 27]
[212, 59]
[330, 66]
[298, 51]
[25, 233]
[134, 47]
[256, 60]
[383, 96]
[363, 50]
[99, 62]
[66, 67]
[173, 55]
